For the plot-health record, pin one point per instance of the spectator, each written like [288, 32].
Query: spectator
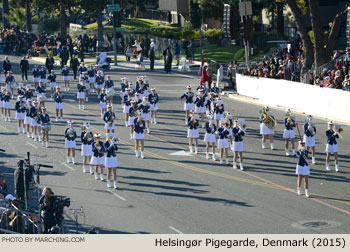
[74, 64]
[193, 48]
[47, 212]
[6, 65]
[49, 63]
[64, 55]
[151, 58]
[168, 62]
[24, 65]
[177, 53]
[169, 17]
[128, 54]
[3, 186]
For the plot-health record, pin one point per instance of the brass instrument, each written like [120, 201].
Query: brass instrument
[70, 132]
[267, 119]
[192, 118]
[242, 126]
[111, 120]
[338, 128]
[37, 115]
[98, 146]
[311, 128]
[139, 121]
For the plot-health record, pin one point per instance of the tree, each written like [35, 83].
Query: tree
[27, 5]
[16, 17]
[5, 10]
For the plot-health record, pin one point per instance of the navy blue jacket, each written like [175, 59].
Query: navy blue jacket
[28, 94]
[103, 97]
[289, 127]
[66, 135]
[10, 78]
[219, 109]
[81, 88]
[109, 84]
[223, 133]
[40, 89]
[139, 129]
[189, 98]
[153, 98]
[42, 73]
[200, 102]
[302, 157]
[36, 72]
[108, 115]
[86, 141]
[96, 151]
[44, 118]
[237, 134]
[189, 123]
[110, 149]
[331, 137]
[65, 72]
[58, 97]
[52, 78]
[307, 131]
[18, 107]
[210, 129]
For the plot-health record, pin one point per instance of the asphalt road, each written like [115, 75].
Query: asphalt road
[185, 193]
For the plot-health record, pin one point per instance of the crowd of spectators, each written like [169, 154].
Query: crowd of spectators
[15, 41]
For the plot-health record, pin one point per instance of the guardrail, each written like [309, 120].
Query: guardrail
[16, 221]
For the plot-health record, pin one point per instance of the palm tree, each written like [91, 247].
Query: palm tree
[17, 17]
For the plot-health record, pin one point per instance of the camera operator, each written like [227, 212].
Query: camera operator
[47, 209]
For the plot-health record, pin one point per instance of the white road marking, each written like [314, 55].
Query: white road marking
[181, 153]
[73, 169]
[4, 128]
[35, 147]
[116, 195]
[176, 230]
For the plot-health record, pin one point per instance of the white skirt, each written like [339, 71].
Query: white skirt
[20, 116]
[36, 79]
[145, 93]
[97, 160]
[44, 81]
[1, 104]
[264, 130]
[58, 105]
[238, 146]
[230, 132]
[66, 78]
[138, 136]
[210, 138]
[188, 106]
[103, 105]
[35, 124]
[309, 141]
[86, 150]
[126, 109]
[70, 144]
[302, 170]
[28, 120]
[7, 105]
[81, 95]
[99, 86]
[111, 162]
[223, 143]
[331, 148]
[288, 134]
[52, 84]
[107, 127]
[199, 109]
[122, 94]
[192, 133]
[146, 117]
[91, 79]
[153, 107]
[131, 120]
[218, 116]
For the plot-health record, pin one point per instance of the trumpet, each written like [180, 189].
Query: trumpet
[338, 128]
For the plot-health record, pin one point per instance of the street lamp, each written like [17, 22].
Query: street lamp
[114, 40]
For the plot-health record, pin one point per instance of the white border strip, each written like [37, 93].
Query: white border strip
[176, 230]
[116, 195]
[73, 169]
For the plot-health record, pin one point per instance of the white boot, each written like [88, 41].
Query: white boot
[24, 130]
[241, 166]
[87, 99]
[79, 106]
[336, 168]
[299, 190]
[263, 146]
[83, 107]
[234, 165]
[227, 162]
[148, 131]
[109, 183]
[272, 146]
[33, 135]
[102, 177]
[137, 153]
[328, 167]
[196, 150]
[155, 121]
[221, 161]
[214, 157]
[56, 119]
[19, 130]
[142, 154]
[8, 119]
[28, 135]
[47, 144]
[97, 175]
[68, 160]
[307, 193]
[42, 144]
[115, 183]
[39, 138]
[61, 119]
[313, 160]
[91, 170]
[35, 139]
[84, 169]
[191, 149]
[207, 155]
[73, 160]
[287, 152]
[294, 154]
[126, 124]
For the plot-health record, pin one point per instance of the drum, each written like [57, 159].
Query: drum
[46, 127]
[41, 97]
[110, 92]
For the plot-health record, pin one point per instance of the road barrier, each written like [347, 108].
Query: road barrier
[324, 102]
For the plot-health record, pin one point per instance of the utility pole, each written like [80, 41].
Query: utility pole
[245, 10]
[200, 35]
[114, 40]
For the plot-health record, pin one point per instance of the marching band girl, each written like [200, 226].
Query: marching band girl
[103, 102]
[35, 115]
[332, 146]
[41, 93]
[36, 76]
[97, 159]
[109, 118]
[10, 83]
[138, 135]
[52, 80]
[219, 111]
[123, 87]
[309, 136]
[202, 86]
[27, 117]
[137, 98]
[2, 95]
[302, 169]
[199, 105]
[58, 104]
[28, 94]
[188, 106]
[140, 86]
[109, 85]
[42, 73]
[86, 147]
[153, 99]
[288, 134]
[21, 91]
[264, 130]
[99, 83]
[91, 75]
[44, 120]
[7, 106]
[85, 81]
[111, 161]
[145, 106]
[126, 106]
[223, 140]
[70, 135]
[192, 131]
[229, 126]
[65, 74]
[20, 113]
[214, 89]
[132, 116]
[238, 134]
[210, 104]
[145, 86]
[81, 95]
[82, 68]
[209, 137]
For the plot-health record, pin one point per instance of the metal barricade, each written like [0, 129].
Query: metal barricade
[16, 221]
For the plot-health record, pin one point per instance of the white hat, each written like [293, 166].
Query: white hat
[153, 89]
[35, 101]
[87, 124]
[324, 69]
[20, 96]
[330, 123]
[97, 135]
[189, 87]
[132, 101]
[109, 105]
[309, 117]
[70, 121]
[9, 197]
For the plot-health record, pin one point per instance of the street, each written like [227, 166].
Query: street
[173, 191]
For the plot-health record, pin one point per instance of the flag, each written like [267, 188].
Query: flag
[203, 72]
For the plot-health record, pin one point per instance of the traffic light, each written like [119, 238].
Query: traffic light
[241, 30]
[117, 19]
[195, 18]
[227, 21]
